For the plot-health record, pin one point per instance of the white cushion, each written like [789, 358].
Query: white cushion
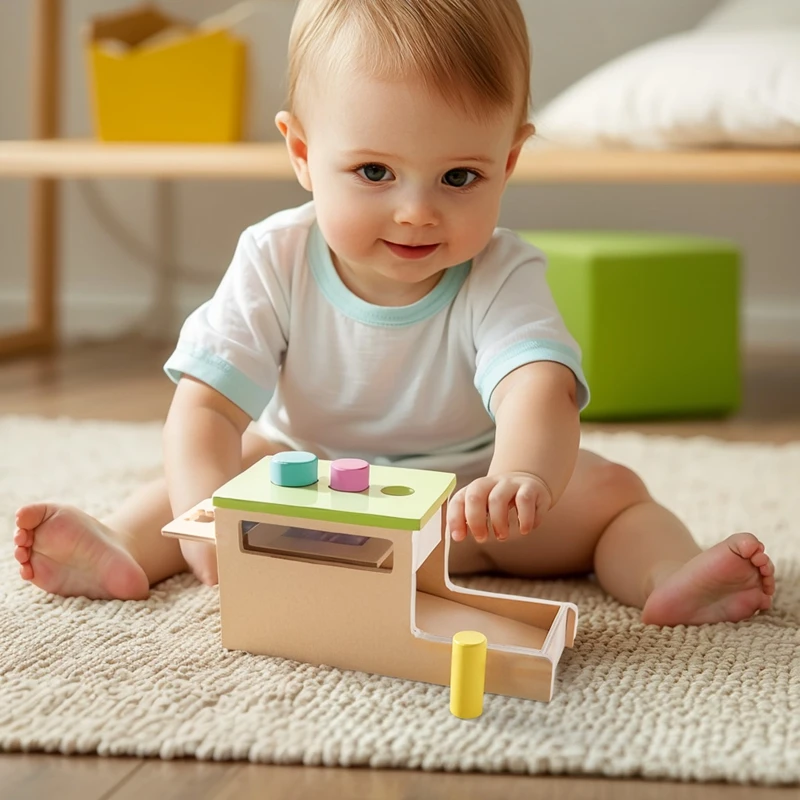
[748, 15]
[702, 88]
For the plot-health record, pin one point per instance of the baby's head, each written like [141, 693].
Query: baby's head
[474, 54]
[405, 119]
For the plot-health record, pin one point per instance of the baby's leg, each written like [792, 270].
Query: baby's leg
[65, 551]
[641, 553]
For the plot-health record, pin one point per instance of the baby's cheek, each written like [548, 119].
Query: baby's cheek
[467, 235]
[478, 235]
[343, 229]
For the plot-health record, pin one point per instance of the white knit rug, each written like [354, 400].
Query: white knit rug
[718, 702]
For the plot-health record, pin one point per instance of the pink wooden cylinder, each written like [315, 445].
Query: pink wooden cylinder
[349, 475]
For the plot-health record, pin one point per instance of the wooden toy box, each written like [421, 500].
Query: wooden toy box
[359, 581]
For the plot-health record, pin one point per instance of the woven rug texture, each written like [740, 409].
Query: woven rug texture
[709, 703]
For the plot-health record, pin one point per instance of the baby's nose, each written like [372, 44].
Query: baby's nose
[417, 211]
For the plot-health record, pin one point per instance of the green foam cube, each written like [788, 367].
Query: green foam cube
[656, 316]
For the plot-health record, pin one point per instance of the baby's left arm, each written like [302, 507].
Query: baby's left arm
[536, 445]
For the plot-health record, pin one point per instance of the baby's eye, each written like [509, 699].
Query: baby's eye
[459, 178]
[374, 173]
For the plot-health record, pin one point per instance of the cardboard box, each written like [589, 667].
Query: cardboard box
[155, 78]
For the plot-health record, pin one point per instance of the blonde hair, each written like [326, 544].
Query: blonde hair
[474, 53]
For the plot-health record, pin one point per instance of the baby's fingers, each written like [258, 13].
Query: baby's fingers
[456, 519]
[526, 501]
[500, 499]
[476, 511]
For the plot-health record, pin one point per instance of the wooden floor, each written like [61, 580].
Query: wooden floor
[123, 380]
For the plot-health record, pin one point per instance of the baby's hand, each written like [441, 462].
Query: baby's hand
[490, 499]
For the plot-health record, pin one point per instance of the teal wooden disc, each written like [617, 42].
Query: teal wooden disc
[294, 469]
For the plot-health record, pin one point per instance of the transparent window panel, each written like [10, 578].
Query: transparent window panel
[309, 544]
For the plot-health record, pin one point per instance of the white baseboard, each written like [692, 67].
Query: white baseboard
[105, 316]
[775, 324]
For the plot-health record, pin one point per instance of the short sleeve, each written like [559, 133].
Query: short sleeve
[236, 340]
[516, 321]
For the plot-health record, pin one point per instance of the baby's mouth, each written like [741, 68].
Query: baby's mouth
[411, 251]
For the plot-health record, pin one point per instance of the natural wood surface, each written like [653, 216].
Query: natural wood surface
[123, 380]
[269, 161]
[42, 329]
[43, 243]
[23, 341]
[35, 777]
[45, 63]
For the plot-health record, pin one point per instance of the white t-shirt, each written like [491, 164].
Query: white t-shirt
[322, 370]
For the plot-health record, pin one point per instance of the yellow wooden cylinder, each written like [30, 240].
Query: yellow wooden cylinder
[467, 674]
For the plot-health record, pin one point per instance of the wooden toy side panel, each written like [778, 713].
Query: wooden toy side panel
[426, 540]
[319, 613]
[572, 625]
[433, 579]
[554, 646]
[197, 524]
[516, 675]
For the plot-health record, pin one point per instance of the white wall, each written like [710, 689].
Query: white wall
[106, 290]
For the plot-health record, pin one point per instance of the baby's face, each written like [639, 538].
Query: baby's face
[404, 185]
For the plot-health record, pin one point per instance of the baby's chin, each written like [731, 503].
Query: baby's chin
[412, 272]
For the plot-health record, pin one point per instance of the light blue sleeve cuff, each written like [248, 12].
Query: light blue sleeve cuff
[525, 353]
[220, 375]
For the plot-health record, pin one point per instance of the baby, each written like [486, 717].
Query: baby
[390, 319]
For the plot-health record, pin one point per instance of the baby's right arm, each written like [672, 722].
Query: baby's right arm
[202, 443]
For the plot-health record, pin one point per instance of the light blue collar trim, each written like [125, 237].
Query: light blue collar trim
[338, 295]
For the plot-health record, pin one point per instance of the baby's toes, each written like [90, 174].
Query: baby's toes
[23, 537]
[746, 545]
[22, 554]
[767, 568]
[29, 516]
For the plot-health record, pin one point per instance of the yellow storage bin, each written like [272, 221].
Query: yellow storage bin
[157, 79]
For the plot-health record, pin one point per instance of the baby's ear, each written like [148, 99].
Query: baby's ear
[523, 134]
[293, 132]
[527, 131]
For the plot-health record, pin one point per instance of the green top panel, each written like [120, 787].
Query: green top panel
[620, 243]
[387, 503]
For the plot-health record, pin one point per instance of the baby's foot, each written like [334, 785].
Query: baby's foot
[730, 582]
[65, 551]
